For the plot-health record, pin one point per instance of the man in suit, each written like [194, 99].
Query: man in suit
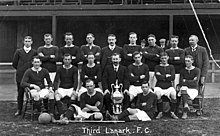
[111, 74]
[21, 62]
[108, 51]
[200, 56]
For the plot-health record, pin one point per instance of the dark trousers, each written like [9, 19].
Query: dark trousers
[20, 97]
[108, 102]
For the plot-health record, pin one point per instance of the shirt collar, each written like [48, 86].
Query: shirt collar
[36, 70]
[68, 67]
[91, 94]
[132, 44]
[194, 46]
[111, 47]
[116, 67]
[69, 45]
[174, 48]
[46, 46]
[27, 49]
[192, 67]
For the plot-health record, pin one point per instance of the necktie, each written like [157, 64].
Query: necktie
[115, 69]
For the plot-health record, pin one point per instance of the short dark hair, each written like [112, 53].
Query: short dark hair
[145, 82]
[91, 35]
[174, 36]
[163, 54]
[143, 41]
[131, 33]
[135, 53]
[27, 37]
[89, 80]
[111, 35]
[189, 56]
[36, 57]
[67, 55]
[116, 54]
[151, 35]
[90, 53]
[48, 35]
[68, 34]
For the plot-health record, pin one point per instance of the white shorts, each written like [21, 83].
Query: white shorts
[176, 80]
[152, 79]
[164, 92]
[83, 115]
[42, 93]
[83, 89]
[142, 115]
[191, 92]
[65, 92]
[135, 90]
[52, 77]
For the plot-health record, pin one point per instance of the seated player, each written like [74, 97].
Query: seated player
[138, 72]
[189, 82]
[34, 79]
[90, 105]
[90, 71]
[65, 83]
[113, 73]
[165, 75]
[145, 106]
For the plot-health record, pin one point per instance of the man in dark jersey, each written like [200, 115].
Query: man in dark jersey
[34, 79]
[138, 73]
[189, 82]
[21, 62]
[176, 57]
[91, 103]
[71, 49]
[90, 47]
[130, 48]
[65, 83]
[165, 75]
[151, 56]
[145, 106]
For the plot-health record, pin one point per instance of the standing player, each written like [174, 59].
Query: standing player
[200, 56]
[108, 51]
[91, 103]
[138, 73]
[176, 57]
[21, 62]
[90, 47]
[111, 74]
[49, 55]
[71, 49]
[65, 83]
[189, 79]
[130, 48]
[151, 56]
[145, 106]
[165, 75]
[34, 79]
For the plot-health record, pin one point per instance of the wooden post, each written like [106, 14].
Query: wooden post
[54, 28]
[170, 25]
[213, 72]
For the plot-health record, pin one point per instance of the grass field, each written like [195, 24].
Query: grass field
[206, 125]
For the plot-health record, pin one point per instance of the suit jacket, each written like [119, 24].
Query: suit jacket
[106, 54]
[201, 59]
[110, 76]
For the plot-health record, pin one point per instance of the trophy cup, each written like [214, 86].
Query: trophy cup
[117, 97]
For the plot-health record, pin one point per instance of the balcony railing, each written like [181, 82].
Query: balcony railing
[98, 2]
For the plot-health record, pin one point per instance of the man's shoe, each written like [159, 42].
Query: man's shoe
[53, 120]
[184, 115]
[172, 114]
[17, 113]
[160, 115]
[186, 109]
[108, 116]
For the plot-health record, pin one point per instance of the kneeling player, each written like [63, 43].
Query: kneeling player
[189, 80]
[165, 75]
[34, 79]
[146, 106]
[65, 82]
[90, 105]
